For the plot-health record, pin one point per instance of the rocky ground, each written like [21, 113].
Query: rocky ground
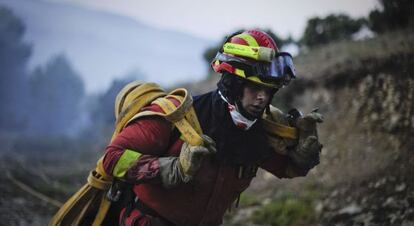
[35, 182]
[385, 199]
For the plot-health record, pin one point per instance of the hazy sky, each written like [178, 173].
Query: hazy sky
[215, 18]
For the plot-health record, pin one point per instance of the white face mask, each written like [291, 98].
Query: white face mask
[239, 120]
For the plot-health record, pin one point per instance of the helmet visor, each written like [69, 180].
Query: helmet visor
[282, 64]
[280, 70]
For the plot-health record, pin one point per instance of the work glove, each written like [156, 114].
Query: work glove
[307, 124]
[191, 157]
[174, 170]
[306, 153]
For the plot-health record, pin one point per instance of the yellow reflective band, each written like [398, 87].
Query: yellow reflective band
[249, 39]
[257, 53]
[257, 80]
[241, 50]
[239, 72]
[127, 159]
[186, 129]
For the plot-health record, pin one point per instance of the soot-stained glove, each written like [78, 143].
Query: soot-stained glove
[308, 123]
[307, 151]
[174, 170]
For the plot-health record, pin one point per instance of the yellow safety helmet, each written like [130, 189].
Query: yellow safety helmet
[254, 55]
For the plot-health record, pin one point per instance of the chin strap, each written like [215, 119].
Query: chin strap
[239, 120]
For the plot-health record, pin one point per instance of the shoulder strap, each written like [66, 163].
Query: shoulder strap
[277, 129]
[183, 117]
[276, 124]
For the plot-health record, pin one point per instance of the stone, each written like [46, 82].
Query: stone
[401, 187]
[350, 209]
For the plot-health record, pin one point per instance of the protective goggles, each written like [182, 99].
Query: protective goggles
[280, 69]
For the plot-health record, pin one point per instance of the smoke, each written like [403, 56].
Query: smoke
[56, 92]
[43, 103]
[14, 54]
[49, 102]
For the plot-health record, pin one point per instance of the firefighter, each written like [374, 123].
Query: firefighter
[175, 183]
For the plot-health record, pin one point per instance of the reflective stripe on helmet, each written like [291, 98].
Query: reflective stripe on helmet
[251, 41]
[257, 53]
[127, 159]
[257, 80]
[239, 72]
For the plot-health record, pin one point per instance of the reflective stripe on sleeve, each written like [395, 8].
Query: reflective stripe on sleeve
[126, 160]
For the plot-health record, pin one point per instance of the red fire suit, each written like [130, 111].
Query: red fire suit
[202, 201]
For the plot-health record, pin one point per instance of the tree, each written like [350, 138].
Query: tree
[56, 92]
[395, 14]
[320, 31]
[14, 54]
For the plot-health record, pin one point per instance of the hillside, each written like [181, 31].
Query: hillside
[366, 92]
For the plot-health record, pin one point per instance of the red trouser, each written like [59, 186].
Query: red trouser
[137, 218]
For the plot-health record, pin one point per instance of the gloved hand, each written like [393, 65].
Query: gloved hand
[307, 123]
[306, 153]
[174, 170]
[191, 157]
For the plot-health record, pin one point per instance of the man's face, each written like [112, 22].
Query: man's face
[255, 99]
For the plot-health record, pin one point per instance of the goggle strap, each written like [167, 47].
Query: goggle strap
[223, 66]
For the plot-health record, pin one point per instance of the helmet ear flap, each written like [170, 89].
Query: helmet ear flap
[231, 86]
